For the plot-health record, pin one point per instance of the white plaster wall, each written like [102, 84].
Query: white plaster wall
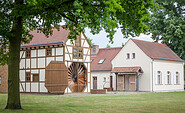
[43, 88]
[100, 80]
[22, 54]
[33, 63]
[34, 87]
[41, 62]
[27, 63]
[48, 60]
[33, 53]
[22, 87]
[22, 75]
[41, 52]
[53, 51]
[22, 63]
[59, 51]
[164, 66]
[42, 75]
[141, 59]
[34, 71]
[59, 58]
[27, 87]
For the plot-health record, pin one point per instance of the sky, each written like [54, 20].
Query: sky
[102, 40]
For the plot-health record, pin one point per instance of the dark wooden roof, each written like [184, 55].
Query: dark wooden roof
[157, 50]
[104, 53]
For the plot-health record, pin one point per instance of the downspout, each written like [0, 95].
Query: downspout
[152, 75]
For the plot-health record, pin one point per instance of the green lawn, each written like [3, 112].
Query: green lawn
[147, 102]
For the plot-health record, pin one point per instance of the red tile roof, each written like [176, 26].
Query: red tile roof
[157, 50]
[104, 53]
[40, 38]
[126, 69]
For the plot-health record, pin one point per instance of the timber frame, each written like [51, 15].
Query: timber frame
[39, 59]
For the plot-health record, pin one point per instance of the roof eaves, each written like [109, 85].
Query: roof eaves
[167, 59]
[102, 70]
[42, 44]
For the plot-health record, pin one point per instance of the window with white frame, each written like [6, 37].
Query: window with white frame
[104, 79]
[159, 77]
[0, 80]
[128, 55]
[168, 77]
[177, 77]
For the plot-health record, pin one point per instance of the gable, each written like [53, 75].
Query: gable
[157, 50]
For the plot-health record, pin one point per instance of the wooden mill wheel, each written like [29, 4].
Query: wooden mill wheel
[77, 77]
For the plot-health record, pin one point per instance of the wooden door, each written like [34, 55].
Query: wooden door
[132, 82]
[94, 82]
[110, 81]
[120, 82]
[126, 82]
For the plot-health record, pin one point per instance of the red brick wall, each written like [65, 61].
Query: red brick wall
[4, 79]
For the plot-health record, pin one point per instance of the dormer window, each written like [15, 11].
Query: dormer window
[92, 60]
[128, 56]
[101, 61]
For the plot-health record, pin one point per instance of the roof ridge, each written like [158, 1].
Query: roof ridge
[112, 48]
[149, 42]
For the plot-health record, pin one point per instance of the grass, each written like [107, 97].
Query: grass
[147, 102]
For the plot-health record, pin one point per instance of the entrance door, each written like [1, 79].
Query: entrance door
[94, 82]
[120, 82]
[132, 82]
[110, 81]
[127, 82]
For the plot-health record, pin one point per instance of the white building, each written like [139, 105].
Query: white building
[54, 64]
[145, 66]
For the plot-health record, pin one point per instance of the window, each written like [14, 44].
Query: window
[49, 52]
[133, 55]
[0, 80]
[35, 77]
[78, 41]
[101, 61]
[128, 55]
[104, 79]
[92, 60]
[177, 78]
[28, 53]
[78, 53]
[159, 77]
[168, 77]
[28, 76]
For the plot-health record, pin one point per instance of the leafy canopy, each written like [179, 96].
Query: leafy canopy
[168, 24]
[43, 15]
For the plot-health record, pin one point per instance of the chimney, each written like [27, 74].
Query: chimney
[94, 50]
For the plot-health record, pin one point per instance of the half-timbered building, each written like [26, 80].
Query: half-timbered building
[55, 64]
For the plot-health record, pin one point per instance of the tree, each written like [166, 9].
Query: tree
[168, 24]
[108, 46]
[19, 17]
[91, 41]
[122, 44]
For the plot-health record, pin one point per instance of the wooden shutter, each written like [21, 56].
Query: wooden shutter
[56, 80]
[35, 77]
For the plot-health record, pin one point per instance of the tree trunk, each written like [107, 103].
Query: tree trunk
[13, 61]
